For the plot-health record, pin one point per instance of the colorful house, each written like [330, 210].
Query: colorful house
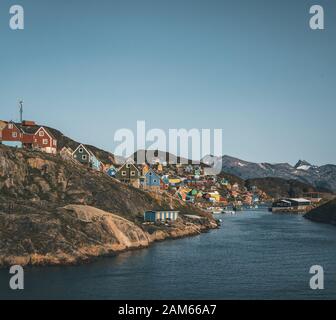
[198, 171]
[83, 155]
[145, 169]
[175, 182]
[164, 182]
[12, 135]
[161, 216]
[129, 173]
[28, 135]
[111, 171]
[152, 180]
[43, 140]
[214, 196]
[224, 182]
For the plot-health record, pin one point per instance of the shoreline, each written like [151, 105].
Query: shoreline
[124, 236]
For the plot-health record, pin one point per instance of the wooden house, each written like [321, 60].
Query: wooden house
[160, 215]
[152, 180]
[83, 155]
[11, 135]
[129, 173]
[145, 169]
[27, 134]
[43, 140]
[111, 171]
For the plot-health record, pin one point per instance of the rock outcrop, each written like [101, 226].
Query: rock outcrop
[78, 233]
[324, 214]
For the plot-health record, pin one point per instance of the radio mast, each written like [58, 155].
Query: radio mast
[21, 110]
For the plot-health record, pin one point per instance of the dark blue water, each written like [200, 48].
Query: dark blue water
[254, 255]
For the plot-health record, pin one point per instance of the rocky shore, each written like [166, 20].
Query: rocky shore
[78, 233]
[324, 214]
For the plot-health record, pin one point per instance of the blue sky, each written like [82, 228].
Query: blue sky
[251, 67]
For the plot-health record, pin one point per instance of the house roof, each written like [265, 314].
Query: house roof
[131, 164]
[151, 171]
[298, 200]
[83, 147]
[33, 129]
[47, 131]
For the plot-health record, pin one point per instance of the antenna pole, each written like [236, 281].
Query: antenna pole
[21, 110]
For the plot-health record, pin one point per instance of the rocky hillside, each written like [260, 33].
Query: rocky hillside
[30, 179]
[279, 188]
[64, 141]
[324, 214]
[37, 223]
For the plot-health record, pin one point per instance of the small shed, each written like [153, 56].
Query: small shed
[160, 215]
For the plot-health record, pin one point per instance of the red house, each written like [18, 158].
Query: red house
[44, 141]
[28, 135]
[12, 135]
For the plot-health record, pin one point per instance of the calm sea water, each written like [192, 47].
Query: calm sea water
[254, 255]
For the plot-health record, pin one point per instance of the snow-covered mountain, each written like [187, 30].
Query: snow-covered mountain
[319, 176]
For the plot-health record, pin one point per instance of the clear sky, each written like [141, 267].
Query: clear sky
[251, 67]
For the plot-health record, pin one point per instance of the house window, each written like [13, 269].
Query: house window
[10, 126]
[45, 141]
[54, 143]
[132, 173]
[80, 150]
[123, 173]
[14, 134]
[84, 157]
[41, 133]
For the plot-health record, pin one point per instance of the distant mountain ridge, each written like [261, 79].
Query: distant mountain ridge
[318, 176]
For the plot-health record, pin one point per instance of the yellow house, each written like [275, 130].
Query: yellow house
[145, 169]
[174, 181]
[215, 195]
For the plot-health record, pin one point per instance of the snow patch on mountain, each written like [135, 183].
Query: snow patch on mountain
[304, 167]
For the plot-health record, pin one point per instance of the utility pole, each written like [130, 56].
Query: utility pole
[21, 110]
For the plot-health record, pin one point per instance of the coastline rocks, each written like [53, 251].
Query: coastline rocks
[78, 233]
[324, 214]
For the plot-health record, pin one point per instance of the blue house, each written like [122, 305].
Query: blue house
[152, 179]
[162, 216]
[111, 171]
[95, 163]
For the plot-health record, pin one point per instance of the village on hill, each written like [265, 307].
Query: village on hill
[187, 182]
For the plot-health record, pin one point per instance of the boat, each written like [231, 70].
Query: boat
[228, 212]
